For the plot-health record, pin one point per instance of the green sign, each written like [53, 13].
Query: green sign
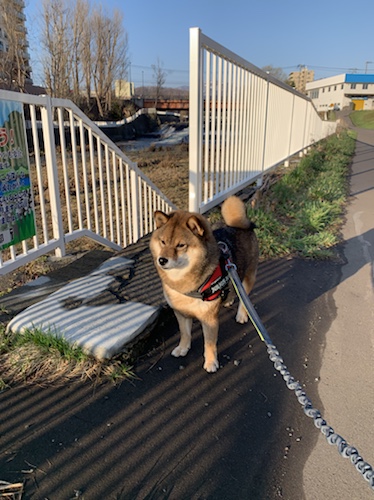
[17, 220]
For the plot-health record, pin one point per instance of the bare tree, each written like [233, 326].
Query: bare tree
[276, 72]
[109, 46]
[86, 56]
[85, 51]
[160, 76]
[79, 25]
[57, 44]
[13, 62]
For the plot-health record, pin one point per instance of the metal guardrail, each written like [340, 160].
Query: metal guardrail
[242, 122]
[83, 184]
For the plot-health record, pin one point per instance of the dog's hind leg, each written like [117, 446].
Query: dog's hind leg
[185, 326]
[210, 331]
[248, 282]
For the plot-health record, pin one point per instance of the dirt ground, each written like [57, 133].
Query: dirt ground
[167, 167]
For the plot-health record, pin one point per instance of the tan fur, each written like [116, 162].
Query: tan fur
[185, 253]
[233, 213]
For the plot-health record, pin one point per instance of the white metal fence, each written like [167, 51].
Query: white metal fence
[242, 122]
[83, 184]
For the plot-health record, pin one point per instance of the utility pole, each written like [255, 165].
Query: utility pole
[366, 66]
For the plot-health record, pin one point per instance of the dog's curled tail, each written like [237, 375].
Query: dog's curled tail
[234, 213]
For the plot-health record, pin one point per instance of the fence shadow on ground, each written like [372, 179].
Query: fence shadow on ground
[176, 431]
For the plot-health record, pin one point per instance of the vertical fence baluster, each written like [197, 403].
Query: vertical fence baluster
[52, 174]
[134, 205]
[88, 223]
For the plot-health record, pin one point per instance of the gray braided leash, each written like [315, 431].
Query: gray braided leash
[344, 449]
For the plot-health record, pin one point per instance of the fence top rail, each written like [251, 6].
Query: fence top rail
[38, 100]
[213, 46]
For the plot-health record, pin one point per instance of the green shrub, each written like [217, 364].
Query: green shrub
[301, 213]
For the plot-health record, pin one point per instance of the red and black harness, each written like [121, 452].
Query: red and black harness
[217, 285]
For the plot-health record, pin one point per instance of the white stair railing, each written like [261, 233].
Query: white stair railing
[82, 183]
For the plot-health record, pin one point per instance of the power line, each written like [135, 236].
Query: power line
[326, 68]
[170, 70]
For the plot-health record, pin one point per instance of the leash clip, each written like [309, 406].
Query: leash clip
[230, 265]
[227, 256]
[224, 248]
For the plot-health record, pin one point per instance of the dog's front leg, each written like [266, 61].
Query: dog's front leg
[210, 331]
[185, 326]
[248, 282]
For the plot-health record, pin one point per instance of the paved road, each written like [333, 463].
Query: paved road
[177, 432]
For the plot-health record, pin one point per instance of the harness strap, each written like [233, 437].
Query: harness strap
[217, 284]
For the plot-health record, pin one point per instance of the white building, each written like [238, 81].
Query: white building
[341, 91]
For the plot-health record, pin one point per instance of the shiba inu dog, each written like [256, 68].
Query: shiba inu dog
[187, 256]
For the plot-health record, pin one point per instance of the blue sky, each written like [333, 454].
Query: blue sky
[329, 36]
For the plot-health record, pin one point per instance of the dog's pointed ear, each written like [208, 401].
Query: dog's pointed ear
[160, 218]
[196, 225]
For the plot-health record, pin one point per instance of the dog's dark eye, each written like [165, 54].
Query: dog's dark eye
[162, 242]
[181, 245]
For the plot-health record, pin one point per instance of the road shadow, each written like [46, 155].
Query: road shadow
[176, 431]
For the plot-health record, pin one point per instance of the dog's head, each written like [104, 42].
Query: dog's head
[180, 241]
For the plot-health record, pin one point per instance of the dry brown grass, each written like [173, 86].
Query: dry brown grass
[11, 491]
[167, 167]
[27, 364]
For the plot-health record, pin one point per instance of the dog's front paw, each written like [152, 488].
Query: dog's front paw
[180, 351]
[228, 302]
[211, 366]
[241, 317]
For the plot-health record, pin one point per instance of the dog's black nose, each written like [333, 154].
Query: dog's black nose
[162, 261]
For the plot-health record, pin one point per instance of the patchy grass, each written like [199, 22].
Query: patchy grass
[363, 119]
[301, 214]
[38, 357]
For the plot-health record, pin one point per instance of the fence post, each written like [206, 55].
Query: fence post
[52, 175]
[306, 140]
[287, 162]
[195, 121]
[259, 181]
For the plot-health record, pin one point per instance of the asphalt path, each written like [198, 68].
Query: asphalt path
[177, 432]
[347, 372]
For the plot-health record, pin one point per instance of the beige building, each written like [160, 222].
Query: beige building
[124, 89]
[338, 92]
[301, 78]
